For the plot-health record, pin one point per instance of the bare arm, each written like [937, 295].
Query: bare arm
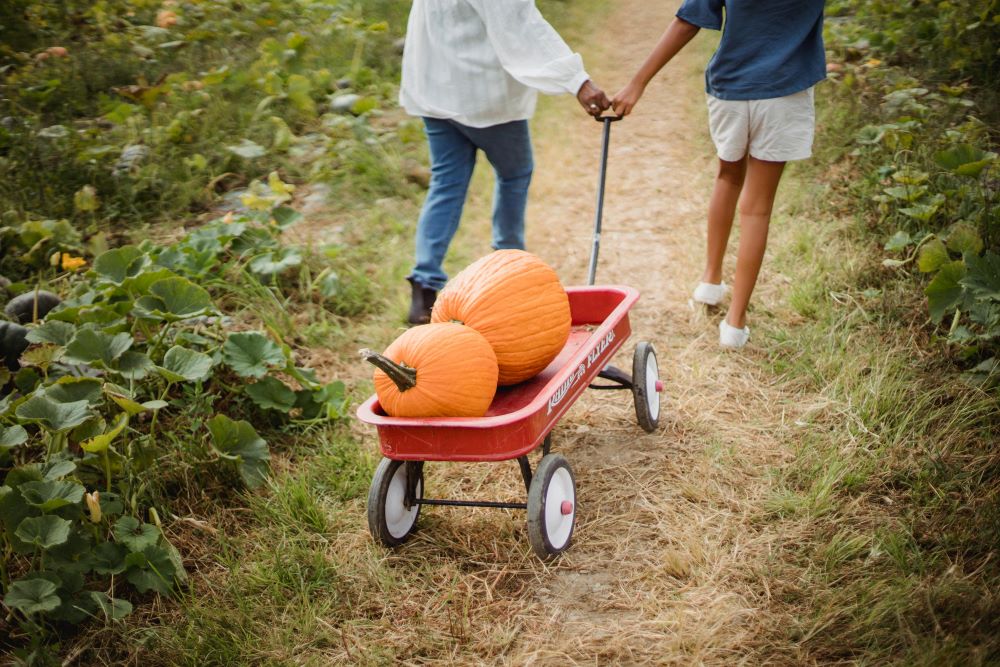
[677, 35]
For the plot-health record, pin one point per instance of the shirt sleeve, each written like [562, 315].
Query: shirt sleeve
[702, 13]
[530, 49]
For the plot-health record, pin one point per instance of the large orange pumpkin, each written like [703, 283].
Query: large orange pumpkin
[436, 370]
[517, 302]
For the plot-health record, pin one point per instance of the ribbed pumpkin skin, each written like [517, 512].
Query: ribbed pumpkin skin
[517, 302]
[456, 373]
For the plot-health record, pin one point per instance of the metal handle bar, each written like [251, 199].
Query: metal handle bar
[606, 120]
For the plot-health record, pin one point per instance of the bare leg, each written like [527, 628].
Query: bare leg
[721, 209]
[756, 203]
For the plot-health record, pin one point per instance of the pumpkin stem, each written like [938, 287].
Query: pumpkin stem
[404, 376]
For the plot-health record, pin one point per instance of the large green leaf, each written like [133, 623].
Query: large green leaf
[965, 160]
[182, 364]
[118, 264]
[101, 443]
[56, 469]
[28, 473]
[329, 284]
[134, 408]
[271, 393]
[50, 495]
[189, 261]
[72, 559]
[70, 389]
[13, 510]
[108, 557]
[933, 255]
[899, 241]
[133, 365]
[151, 569]
[328, 402]
[11, 437]
[239, 442]
[76, 607]
[134, 534]
[32, 595]
[964, 239]
[92, 346]
[96, 315]
[983, 277]
[53, 415]
[111, 608]
[127, 403]
[52, 332]
[276, 262]
[924, 210]
[175, 299]
[44, 532]
[945, 291]
[285, 217]
[141, 283]
[251, 354]
[905, 193]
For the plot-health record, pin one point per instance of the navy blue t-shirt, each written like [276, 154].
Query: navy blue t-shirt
[769, 48]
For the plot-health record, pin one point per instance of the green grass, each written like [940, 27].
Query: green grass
[889, 511]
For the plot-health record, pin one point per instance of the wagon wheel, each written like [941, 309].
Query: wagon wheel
[390, 520]
[551, 507]
[646, 386]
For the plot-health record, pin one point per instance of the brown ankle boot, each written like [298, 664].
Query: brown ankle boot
[421, 301]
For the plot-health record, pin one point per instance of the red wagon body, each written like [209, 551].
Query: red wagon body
[522, 415]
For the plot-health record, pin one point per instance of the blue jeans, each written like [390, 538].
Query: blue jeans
[453, 149]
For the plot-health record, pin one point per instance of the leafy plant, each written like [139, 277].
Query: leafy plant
[931, 176]
[135, 354]
[135, 112]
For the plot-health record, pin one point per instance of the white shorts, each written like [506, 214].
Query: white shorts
[776, 130]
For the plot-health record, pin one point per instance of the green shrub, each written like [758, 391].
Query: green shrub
[134, 380]
[156, 110]
[929, 174]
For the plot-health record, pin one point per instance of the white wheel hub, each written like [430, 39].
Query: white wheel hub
[560, 508]
[652, 390]
[398, 519]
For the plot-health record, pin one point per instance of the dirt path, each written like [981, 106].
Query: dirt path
[670, 559]
[668, 563]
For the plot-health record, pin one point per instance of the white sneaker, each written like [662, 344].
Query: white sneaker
[731, 337]
[709, 294]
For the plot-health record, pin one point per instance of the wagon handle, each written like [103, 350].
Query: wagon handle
[606, 121]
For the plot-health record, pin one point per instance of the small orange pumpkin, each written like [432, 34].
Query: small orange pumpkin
[436, 370]
[515, 300]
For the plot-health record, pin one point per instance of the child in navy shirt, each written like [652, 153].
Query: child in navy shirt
[759, 85]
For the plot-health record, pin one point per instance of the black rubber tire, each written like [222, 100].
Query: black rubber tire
[538, 535]
[377, 495]
[647, 420]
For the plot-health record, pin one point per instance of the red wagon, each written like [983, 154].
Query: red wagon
[520, 419]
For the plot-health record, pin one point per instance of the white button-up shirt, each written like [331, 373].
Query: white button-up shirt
[480, 62]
